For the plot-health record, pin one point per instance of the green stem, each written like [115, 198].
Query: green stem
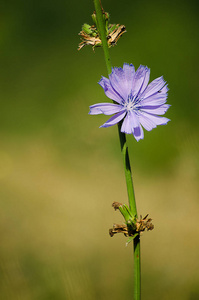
[137, 268]
[126, 160]
[127, 170]
[102, 31]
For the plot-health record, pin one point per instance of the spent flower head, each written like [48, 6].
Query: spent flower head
[135, 102]
[90, 35]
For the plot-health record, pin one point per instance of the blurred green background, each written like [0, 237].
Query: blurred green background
[59, 173]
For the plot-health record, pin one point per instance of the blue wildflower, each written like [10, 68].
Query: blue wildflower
[136, 102]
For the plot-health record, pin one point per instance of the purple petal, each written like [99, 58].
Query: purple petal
[159, 120]
[105, 108]
[141, 80]
[131, 125]
[157, 98]
[127, 124]
[154, 87]
[134, 119]
[146, 80]
[157, 102]
[138, 133]
[129, 72]
[119, 82]
[109, 91]
[154, 100]
[149, 121]
[146, 122]
[156, 110]
[115, 119]
[164, 90]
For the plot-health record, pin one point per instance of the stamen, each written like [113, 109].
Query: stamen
[132, 103]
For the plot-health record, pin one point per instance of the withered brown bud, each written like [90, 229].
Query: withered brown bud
[132, 228]
[118, 228]
[144, 223]
[90, 35]
[114, 36]
[116, 205]
[89, 39]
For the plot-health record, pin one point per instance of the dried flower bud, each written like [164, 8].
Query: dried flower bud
[90, 36]
[133, 227]
[116, 205]
[118, 228]
[115, 34]
[144, 223]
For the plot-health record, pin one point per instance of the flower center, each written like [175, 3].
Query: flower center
[129, 105]
[132, 103]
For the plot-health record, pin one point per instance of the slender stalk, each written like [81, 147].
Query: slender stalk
[137, 268]
[127, 170]
[126, 160]
[102, 31]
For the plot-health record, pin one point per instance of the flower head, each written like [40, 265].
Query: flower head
[135, 102]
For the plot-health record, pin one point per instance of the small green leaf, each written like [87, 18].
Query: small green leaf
[112, 27]
[131, 238]
[87, 28]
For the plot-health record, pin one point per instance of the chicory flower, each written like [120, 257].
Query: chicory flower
[135, 102]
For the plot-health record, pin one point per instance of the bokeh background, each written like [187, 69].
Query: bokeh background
[60, 173]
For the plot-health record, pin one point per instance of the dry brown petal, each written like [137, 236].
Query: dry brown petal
[89, 40]
[116, 205]
[118, 228]
[114, 36]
